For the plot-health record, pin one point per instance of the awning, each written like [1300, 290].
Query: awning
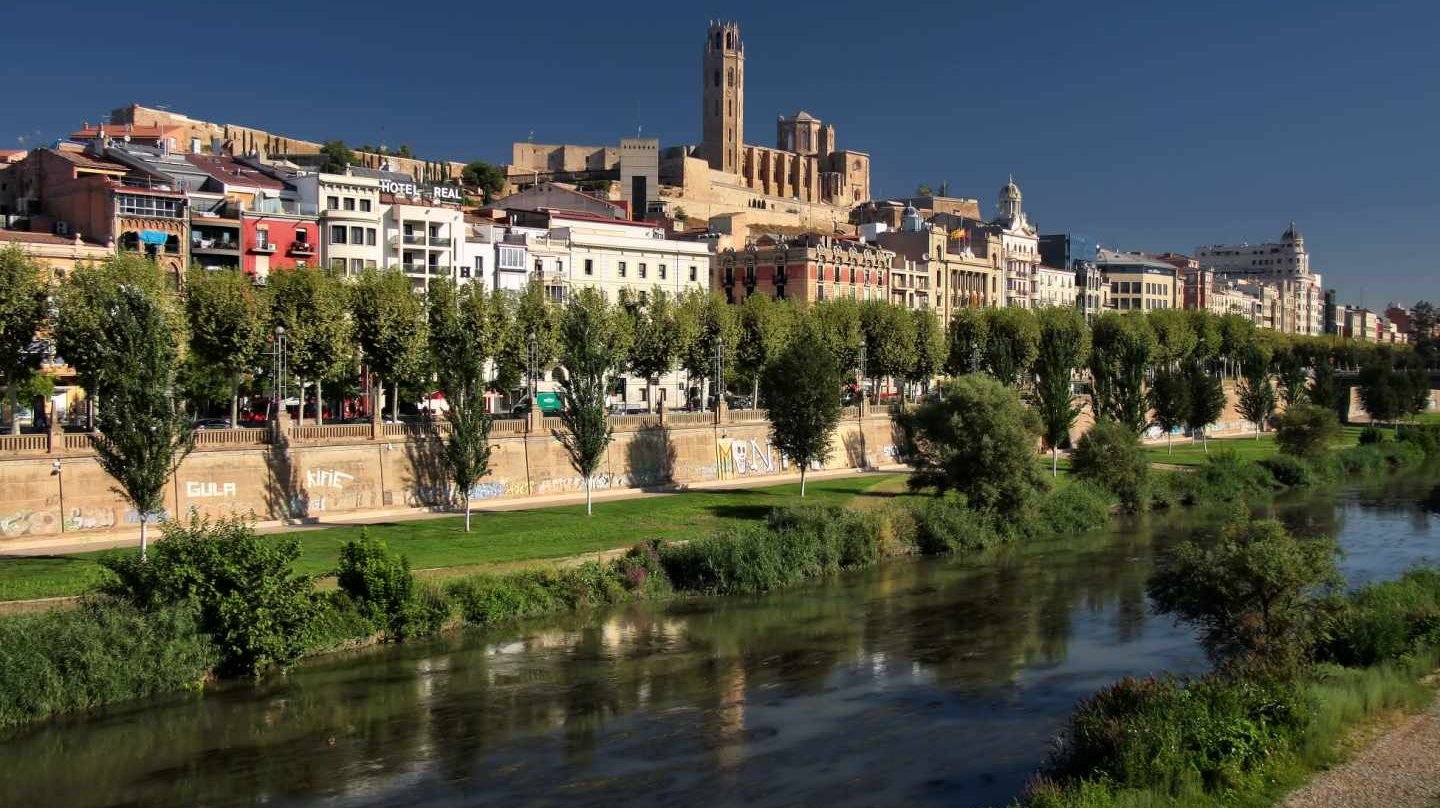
[154, 237]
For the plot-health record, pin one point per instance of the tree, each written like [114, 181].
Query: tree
[313, 306]
[708, 324]
[1170, 399]
[977, 439]
[1064, 347]
[530, 315]
[657, 340]
[765, 329]
[338, 157]
[1425, 332]
[1324, 386]
[390, 324]
[22, 313]
[1255, 595]
[837, 327]
[799, 389]
[480, 174]
[889, 340]
[1290, 371]
[589, 351]
[1207, 400]
[1237, 337]
[1012, 343]
[969, 331]
[1209, 340]
[228, 323]
[1109, 455]
[460, 334]
[1384, 391]
[143, 433]
[1121, 345]
[1174, 337]
[923, 190]
[1307, 431]
[1256, 393]
[930, 349]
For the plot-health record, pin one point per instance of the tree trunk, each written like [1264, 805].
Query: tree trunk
[1205, 440]
[1169, 441]
[319, 404]
[144, 522]
[13, 395]
[802, 479]
[234, 400]
[755, 392]
[588, 510]
[467, 511]
[395, 401]
[1054, 461]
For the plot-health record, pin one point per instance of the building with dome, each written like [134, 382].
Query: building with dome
[1285, 264]
[1019, 248]
[943, 263]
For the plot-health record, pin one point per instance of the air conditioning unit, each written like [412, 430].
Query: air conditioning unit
[62, 228]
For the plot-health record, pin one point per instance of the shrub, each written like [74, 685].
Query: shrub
[1077, 508]
[1252, 595]
[250, 602]
[1386, 621]
[1223, 478]
[944, 525]
[1370, 435]
[379, 581]
[1289, 471]
[1108, 455]
[101, 652]
[642, 572]
[1426, 437]
[1307, 431]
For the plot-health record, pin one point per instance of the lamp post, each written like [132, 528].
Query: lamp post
[862, 370]
[281, 369]
[532, 350]
[719, 384]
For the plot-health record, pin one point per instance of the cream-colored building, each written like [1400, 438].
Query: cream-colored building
[58, 255]
[1285, 265]
[1137, 281]
[1019, 249]
[424, 241]
[351, 219]
[1053, 287]
[940, 263]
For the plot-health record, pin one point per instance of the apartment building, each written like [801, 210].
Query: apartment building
[1137, 281]
[350, 219]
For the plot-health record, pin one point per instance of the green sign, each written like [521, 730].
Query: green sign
[549, 403]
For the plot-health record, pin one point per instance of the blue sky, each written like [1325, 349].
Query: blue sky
[1155, 126]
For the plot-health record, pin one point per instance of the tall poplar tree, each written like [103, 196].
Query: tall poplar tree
[23, 311]
[1063, 348]
[313, 305]
[390, 325]
[461, 332]
[229, 322]
[591, 349]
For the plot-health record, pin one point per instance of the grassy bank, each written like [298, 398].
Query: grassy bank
[498, 538]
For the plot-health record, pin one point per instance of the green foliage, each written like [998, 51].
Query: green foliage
[766, 326]
[1069, 511]
[706, 322]
[1307, 431]
[1252, 595]
[1206, 399]
[834, 323]
[23, 310]
[591, 348]
[390, 324]
[248, 600]
[889, 339]
[977, 439]
[379, 582]
[461, 333]
[944, 525]
[966, 341]
[515, 322]
[930, 348]
[1108, 455]
[1169, 397]
[1386, 621]
[85, 304]
[485, 600]
[1122, 345]
[227, 318]
[1256, 393]
[1288, 471]
[1012, 343]
[313, 306]
[99, 652]
[802, 401]
[1064, 346]
[338, 157]
[480, 174]
[1225, 477]
[1175, 338]
[1370, 436]
[1393, 386]
[1426, 437]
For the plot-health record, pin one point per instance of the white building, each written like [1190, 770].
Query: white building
[424, 241]
[350, 219]
[1019, 249]
[1053, 287]
[1284, 264]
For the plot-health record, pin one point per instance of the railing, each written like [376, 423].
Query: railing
[742, 416]
[633, 423]
[243, 436]
[77, 441]
[263, 247]
[418, 240]
[849, 413]
[439, 241]
[302, 248]
[503, 427]
[690, 418]
[552, 422]
[418, 430]
[328, 431]
[35, 442]
[282, 206]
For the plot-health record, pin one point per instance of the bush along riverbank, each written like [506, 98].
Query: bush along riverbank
[1297, 667]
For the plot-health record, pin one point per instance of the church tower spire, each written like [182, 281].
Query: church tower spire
[722, 111]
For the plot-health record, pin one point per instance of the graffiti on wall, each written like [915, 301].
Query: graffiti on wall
[327, 478]
[741, 457]
[196, 489]
[28, 523]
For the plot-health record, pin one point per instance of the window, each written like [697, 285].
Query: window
[262, 238]
[692, 273]
[662, 272]
[511, 258]
[337, 265]
[138, 205]
[539, 266]
[370, 237]
[337, 234]
[479, 266]
[332, 203]
[349, 203]
[357, 266]
[589, 266]
[357, 235]
[620, 268]
[369, 263]
[642, 270]
[365, 205]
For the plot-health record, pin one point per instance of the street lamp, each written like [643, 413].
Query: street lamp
[862, 370]
[532, 349]
[719, 371]
[282, 367]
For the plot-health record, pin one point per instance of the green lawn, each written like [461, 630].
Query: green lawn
[1247, 447]
[501, 538]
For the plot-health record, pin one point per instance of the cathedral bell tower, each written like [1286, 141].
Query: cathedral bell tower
[722, 110]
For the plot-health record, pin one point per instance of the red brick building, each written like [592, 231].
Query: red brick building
[803, 268]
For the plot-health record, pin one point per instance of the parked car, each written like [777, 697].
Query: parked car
[212, 423]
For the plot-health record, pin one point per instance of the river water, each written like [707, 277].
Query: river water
[925, 683]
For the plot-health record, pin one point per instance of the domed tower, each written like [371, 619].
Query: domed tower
[910, 221]
[1292, 236]
[722, 110]
[1010, 201]
[1292, 248]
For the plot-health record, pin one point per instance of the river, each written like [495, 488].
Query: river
[924, 683]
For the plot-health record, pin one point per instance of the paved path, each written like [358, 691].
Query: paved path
[63, 544]
[1400, 770]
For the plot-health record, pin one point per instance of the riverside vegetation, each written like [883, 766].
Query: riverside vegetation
[217, 600]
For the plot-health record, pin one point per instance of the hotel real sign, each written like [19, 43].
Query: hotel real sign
[436, 193]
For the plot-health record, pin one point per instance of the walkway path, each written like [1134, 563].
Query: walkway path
[1400, 770]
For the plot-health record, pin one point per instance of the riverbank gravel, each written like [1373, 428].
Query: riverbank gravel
[1400, 770]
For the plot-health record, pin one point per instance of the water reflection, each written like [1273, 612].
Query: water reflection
[918, 683]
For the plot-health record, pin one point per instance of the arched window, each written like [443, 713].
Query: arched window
[729, 40]
[718, 40]
[730, 77]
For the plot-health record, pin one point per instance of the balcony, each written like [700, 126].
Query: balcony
[228, 246]
[440, 241]
[413, 239]
[265, 247]
[286, 206]
[433, 270]
[302, 248]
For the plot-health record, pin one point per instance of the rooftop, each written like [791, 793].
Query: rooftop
[231, 172]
